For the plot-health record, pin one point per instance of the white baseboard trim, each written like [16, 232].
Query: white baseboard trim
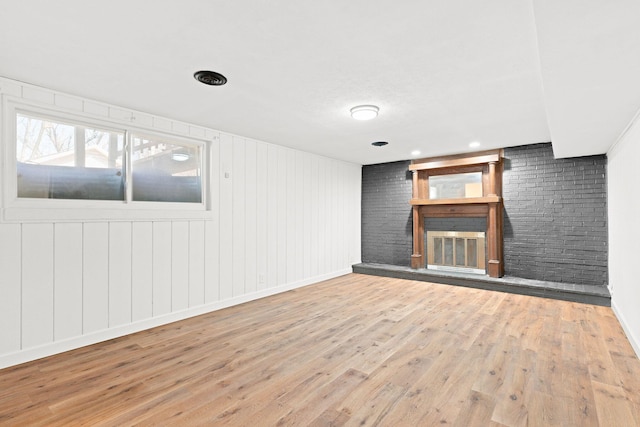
[50, 349]
[635, 342]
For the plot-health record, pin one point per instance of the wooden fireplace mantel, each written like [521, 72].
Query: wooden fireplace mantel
[489, 205]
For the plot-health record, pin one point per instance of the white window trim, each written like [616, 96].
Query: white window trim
[15, 209]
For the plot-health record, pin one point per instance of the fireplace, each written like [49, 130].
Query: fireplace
[460, 186]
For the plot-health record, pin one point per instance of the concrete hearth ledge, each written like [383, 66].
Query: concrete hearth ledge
[598, 295]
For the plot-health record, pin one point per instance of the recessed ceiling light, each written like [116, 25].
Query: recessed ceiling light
[210, 78]
[474, 144]
[379, 143]
[415, 153]
[364, 112]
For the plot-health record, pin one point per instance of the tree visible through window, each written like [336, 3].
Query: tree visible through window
[58, 160]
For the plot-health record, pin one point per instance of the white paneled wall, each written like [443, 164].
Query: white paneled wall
[279, 219]
[623, 202]
[120, 250]
[67, 267]
[10, 288]
[141, 271]
[37, 287]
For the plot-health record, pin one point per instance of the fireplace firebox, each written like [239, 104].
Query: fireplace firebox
[461, 251]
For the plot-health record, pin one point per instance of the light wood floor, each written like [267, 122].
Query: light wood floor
[356, 350]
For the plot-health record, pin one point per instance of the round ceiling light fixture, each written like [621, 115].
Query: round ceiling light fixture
[474, 144]
[364, 112]
[180, 157]
[210, 78]
[415, 153]
[379, 143]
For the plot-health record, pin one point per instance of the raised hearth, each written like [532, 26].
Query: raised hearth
[587, 294]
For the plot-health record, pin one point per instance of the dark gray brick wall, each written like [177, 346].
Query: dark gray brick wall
[555, 219]
[386, 213]
[555, 216]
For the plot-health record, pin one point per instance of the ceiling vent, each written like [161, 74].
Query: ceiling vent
[210, 78]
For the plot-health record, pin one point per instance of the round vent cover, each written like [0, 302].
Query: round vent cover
[379, 143]
[210, 78]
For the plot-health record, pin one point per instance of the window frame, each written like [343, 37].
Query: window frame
[16, 208]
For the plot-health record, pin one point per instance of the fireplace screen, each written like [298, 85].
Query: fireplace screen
[456, 251]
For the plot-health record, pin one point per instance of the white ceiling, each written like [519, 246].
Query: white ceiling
[444, 73]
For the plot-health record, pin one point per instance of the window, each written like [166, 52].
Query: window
[165, 171]
[97, 169]
[58, 160]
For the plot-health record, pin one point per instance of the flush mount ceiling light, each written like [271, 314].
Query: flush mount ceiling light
[474, 144]
[180, 157]
[364, 112]
[379, 143]
[210, 78]
[415, 153]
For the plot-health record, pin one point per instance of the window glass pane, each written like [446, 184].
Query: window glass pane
[44, 142]
[166, 171]
[455, 186]
[103, 149]
[58, 160]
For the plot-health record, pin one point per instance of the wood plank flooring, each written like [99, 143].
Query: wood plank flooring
[356, 350]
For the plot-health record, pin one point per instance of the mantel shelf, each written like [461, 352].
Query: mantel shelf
[463, 201]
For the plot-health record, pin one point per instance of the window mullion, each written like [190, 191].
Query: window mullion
[113, 150]
[79, 146]
[127, 156]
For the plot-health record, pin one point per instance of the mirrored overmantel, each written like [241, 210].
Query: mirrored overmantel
[455, 186]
